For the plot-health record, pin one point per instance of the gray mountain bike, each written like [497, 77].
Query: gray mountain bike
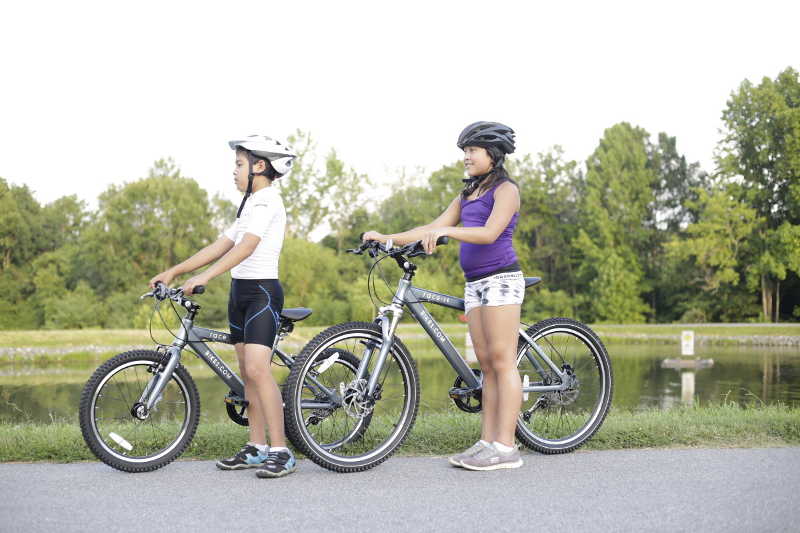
[353, 423]
[140, 409]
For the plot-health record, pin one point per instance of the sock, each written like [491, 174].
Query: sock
[502, 447]
[487, 444]
[262, 448]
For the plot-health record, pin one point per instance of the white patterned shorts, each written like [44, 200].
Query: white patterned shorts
[506, 288]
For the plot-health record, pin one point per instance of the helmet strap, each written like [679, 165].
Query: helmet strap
[473, 182]
[250, 176]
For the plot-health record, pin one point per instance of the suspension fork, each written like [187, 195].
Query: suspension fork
[159, 380]
[388, 328]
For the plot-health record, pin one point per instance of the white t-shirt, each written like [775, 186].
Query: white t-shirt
[264, 216]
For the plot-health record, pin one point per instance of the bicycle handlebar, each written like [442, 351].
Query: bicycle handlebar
[412, 249]
[162, 292]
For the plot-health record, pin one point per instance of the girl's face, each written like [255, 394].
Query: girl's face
[477, 160]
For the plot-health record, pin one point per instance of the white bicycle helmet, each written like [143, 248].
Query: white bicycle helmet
[280, 156]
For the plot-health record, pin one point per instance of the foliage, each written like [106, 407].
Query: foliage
[760, 153]
[635, 233]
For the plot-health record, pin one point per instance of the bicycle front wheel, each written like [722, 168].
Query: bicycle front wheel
[119, 431]
[329, 415]
[559, 421]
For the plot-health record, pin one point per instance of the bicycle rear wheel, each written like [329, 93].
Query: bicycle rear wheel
[561, 421]
[329, 418]
[115, 427]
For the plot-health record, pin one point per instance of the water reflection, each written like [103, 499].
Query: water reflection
[745, 375]
[687, 368]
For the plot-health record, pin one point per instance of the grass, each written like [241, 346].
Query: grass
[123, 337]
[721, 426]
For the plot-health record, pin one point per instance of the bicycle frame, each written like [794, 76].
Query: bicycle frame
[414, 299]
[196, 337]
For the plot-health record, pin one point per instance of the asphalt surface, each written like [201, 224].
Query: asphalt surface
[627, 490]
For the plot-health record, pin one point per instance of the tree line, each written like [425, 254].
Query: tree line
[635, 233]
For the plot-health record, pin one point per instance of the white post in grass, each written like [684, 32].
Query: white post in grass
[687, 342]
[469, 350]
[687, 387]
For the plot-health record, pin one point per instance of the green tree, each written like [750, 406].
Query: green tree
[617, 217]
[345, 197]
[75, 309]
[143, 227]
[760, 151]
[21, 233]
[550, 188]
[305, 190]
[717, 243]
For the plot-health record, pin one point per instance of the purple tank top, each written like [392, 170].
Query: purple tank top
[480, 259]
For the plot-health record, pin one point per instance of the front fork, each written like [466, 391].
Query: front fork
[388, 327]
[155, 386]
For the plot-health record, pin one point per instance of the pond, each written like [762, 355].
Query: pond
[745, 375]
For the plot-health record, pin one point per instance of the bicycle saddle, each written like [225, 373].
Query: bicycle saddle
[530, 282]
[295, 314]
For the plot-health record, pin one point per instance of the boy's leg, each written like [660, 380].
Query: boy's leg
[255, 418]
[280, 460]
[264, 390]
[254, 453]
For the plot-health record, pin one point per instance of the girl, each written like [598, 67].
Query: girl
[488, 210]
[250, 249]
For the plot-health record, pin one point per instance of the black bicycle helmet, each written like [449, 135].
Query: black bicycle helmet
[488, 135]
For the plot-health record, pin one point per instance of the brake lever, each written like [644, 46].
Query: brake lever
[417, 250]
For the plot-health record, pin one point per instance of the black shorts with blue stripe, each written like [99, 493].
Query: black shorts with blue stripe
[254, 309]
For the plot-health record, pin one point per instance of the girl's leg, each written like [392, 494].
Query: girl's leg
[489, 389]
[500, 325]
[254, 414]
[263, 390]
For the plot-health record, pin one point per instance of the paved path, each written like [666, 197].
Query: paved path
[628, 490]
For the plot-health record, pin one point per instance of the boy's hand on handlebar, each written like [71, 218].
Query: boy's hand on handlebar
[165, 277]
[195, 281]
[430, 239]
[372, 236]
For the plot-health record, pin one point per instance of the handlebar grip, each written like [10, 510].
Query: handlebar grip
[444, 239]
[200, 289]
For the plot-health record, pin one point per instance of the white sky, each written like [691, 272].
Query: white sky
[92, 93]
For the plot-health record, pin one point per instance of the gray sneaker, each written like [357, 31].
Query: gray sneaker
[455, 460]
[491, 459]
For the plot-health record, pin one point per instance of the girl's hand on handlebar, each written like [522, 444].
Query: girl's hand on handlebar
[191, 283]
[165, 277]
[373, 236]
[430, 238]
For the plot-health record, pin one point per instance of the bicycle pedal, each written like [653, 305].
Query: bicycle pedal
[236, 400]
[455, 393]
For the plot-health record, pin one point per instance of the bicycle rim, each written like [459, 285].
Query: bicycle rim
[124, 436]
[560, 421]
[355, 435]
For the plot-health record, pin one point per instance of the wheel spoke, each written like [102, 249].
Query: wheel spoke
[562, 420]
[126, 437]
[361, 428]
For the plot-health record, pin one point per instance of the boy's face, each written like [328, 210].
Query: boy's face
[240, 171]
[242, 168]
